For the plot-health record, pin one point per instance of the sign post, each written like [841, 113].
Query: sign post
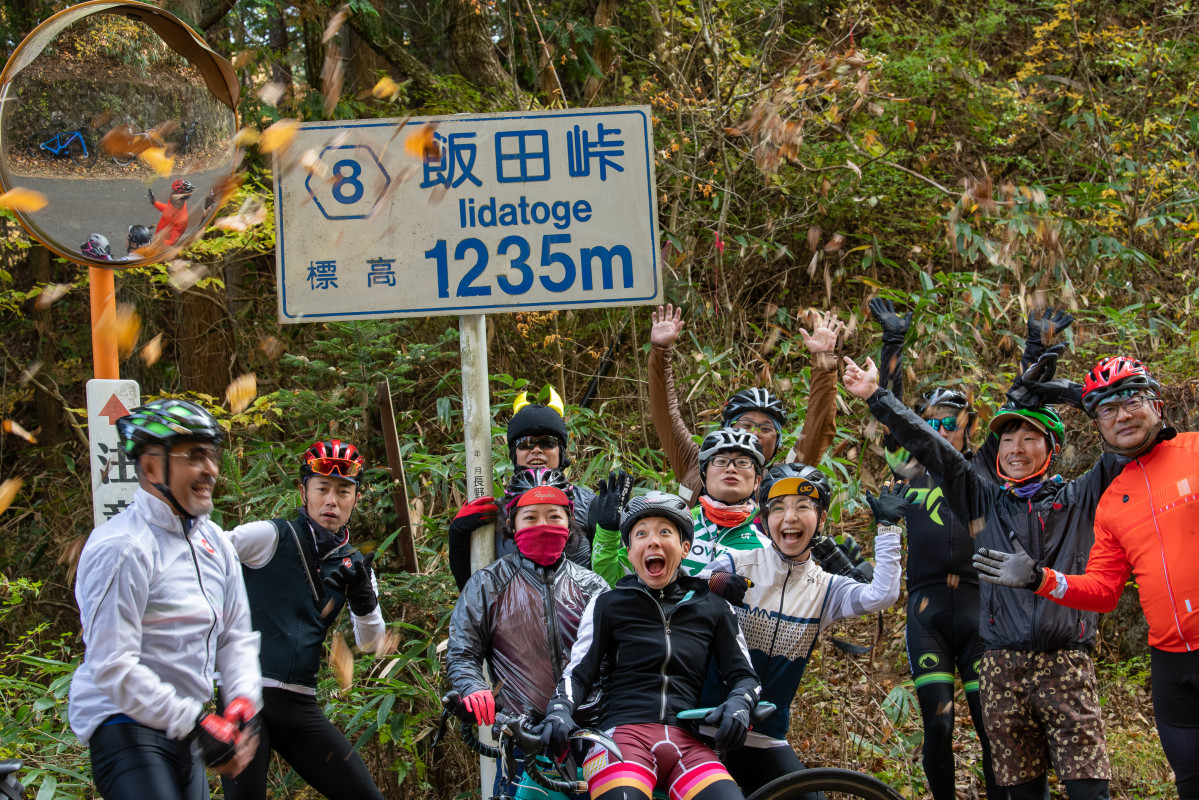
[114, 479]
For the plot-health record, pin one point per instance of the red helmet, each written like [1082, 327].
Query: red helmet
[182, 187]
[1112, 375]
[333, 458]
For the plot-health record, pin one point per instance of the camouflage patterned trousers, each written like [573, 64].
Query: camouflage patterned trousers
[1042, 709]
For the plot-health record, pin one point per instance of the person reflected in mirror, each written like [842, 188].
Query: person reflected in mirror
[97, 247]
[139, 236]
[173, 221]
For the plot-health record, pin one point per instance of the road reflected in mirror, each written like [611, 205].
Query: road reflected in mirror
[121, 135]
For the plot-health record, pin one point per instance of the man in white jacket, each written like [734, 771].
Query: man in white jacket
[164, 609]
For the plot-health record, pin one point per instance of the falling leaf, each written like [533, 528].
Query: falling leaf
[422, 145]
[335, 23]
[51, 293]
[813, 237]
[158, 160]
[953, 581]
[245, 137]
[8, 492]
[251, 213]
[22, 199]
[945, 708]
[331, 79]
[14, 427]
[834, 244]
[387, 643]
[124, 141]
[342, 662]
[183, 275]
[271, 346]
[241, 392]
[386, 89]
[923, 605]
[856, 169]
[242, 60]
[226, 187]
[279, 136]
[312, 164]
[28, 373]
[272, 93]
[152, 351]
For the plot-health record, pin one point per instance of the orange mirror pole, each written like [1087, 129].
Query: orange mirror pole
[104, 322]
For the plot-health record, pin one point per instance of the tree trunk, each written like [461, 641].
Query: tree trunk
[312, 27]
[362, 63]
[49, 412]
[474, 54]
[389, 48]
[603, 54]
[204, 346]
[280, 69]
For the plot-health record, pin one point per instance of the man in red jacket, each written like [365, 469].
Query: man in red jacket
[1146, 523]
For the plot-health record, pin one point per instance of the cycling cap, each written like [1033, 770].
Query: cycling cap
[526, 481]
[97, 247]
[754, 400]
[657, 504]
[166, 422]
[182, 187]
[139, 235]
[1043, 418]
[333, 458]
[783, 480]
[531, 419]
[730, 439]
[1114, 375]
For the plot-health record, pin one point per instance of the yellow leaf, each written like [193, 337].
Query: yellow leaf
[152, 351]
[342, 662]
[8, 492]
[251, 213]
[50, 293]
[157, 159]
[241, 392]
[422, 145]
[22, 199]
[245, 137]
[386, 89]
[14, 427]
[279, 136]
[128, 326]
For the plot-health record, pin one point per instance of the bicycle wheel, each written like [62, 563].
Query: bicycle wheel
[37, 140]
[832, 783]
[83, 150]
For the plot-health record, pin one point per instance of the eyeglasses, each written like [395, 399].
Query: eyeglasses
[538, 442]
[341, 467]
[1108, 411]
[799, 506]
[753, 427]
[948, 423]
[741, 462]
[200, 453]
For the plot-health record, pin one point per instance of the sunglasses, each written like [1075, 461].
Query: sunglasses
[341, 467]
[753, 427]
[201, 453]
[538, 442]
[948, 423]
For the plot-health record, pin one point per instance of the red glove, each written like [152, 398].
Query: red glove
[217, 738]
[483, 509]
[242, 713]
[482, 705]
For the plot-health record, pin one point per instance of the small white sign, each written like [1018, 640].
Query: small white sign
[113, 477]
[508, 212]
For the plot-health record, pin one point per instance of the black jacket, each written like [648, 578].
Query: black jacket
[1055, 527]
[655, 659]
[522, 619]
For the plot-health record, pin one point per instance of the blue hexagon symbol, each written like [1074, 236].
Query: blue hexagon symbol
[359, 182]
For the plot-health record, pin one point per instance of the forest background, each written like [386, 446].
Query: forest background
[973, 162]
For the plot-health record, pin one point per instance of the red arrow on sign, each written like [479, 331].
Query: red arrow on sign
[114, 409]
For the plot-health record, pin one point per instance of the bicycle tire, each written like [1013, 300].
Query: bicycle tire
[83, 150]
[833, 783]
[35, 144]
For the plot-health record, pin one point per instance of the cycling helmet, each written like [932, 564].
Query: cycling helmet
[788, 479]
[139, 235]
[333, 458]
[730, 439]
[182, 187]
[166, 422]
[97, 247]
[1113, 375]
[657, 504]
[531, 419]
[948, 398]
[526, 480]
[1043, 418]
[754, 400]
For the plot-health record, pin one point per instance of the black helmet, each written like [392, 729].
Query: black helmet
[166, 422]
[139, 235]
[754, 400]
[657, 504]
[725, 439]
[787, 479]
[528, 479]
[532, 419]
[950, 398]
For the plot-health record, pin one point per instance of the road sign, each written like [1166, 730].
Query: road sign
[113, 476]
[508, 212]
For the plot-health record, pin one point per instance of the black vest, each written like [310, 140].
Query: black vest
[287, 596]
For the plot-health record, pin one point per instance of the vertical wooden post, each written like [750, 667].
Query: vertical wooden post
[399, 486]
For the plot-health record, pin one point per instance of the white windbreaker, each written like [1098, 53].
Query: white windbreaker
[162, 613]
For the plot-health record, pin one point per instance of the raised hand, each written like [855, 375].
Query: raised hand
[826, 329]
[895, 327]
[891, 503]
[1051, 323]
[858, 381]
[612, 495]
[666, 325]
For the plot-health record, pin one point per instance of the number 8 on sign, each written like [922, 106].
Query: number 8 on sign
[358, 181]
[347, 188]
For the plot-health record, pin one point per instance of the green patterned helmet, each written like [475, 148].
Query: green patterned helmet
[1043, 418]
[166, 422]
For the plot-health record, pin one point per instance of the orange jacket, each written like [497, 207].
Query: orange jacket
[1146, 523]
[173, 220]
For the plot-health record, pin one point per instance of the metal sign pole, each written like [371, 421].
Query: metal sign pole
[103, 290]
[476, 416]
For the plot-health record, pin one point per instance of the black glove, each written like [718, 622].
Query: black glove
[355, 583]
[1017, 570]
[216, 738]
[559, 725]
[611, 496]
[1023, 393]
[730, 586]
[150, 192]
[1056, 392]
[1048, 326]
[895, 327]
[891, 503]
[733, 718]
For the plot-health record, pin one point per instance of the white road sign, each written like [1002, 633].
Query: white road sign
[515, 211]
[113, 477]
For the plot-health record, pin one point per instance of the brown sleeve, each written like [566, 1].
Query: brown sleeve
[820, 425]
[681, 452]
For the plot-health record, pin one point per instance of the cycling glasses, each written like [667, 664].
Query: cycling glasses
[539, 442]
[741, 462]
[1108, 411]
[341, 467]
[948, 423]
[757, 428]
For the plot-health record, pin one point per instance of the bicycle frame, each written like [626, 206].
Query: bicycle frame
[59, 146]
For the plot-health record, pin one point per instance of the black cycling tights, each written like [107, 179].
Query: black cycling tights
[754, 767]
[131, 760]
[1176, 708]
[1038, 789]
[295, 728]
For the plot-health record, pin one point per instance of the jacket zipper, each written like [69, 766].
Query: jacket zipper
[551, 622]
[316, 598]
[1165, 564]
[782, 603]
[669, 653]
[1039, 543]
[200, 580]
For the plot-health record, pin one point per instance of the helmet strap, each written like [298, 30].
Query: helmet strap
[1013, 482]
[165, 490]
[1159, 432]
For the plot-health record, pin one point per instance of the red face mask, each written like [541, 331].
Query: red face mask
[542, 544]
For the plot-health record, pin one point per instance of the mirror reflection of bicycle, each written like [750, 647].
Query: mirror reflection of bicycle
[78, 145]
[127, 142]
